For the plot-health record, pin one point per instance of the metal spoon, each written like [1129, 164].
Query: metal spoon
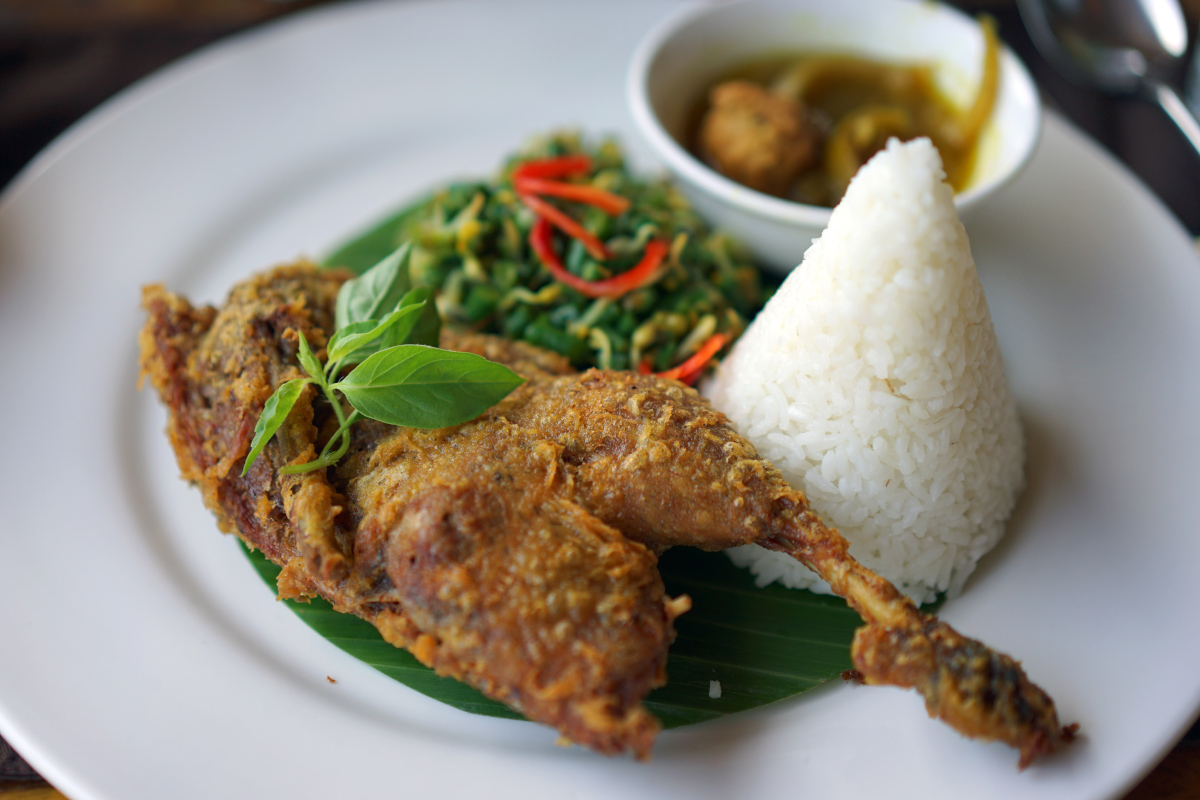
[1126, 46]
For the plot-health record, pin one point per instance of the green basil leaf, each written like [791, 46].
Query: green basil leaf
[311, 364]
[274, 412]
[426, 328]
[341, 334]
[405, 330]
[376, 292]
[424, 387]
[353, 342]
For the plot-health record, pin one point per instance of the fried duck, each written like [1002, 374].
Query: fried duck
[518, 552]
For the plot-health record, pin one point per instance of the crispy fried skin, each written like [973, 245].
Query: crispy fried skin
[541, 604]
[517, 552]
[655, 461]
[481, 566]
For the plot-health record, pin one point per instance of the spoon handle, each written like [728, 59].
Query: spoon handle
[1177, 111]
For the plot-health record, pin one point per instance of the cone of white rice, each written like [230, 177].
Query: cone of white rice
[873, 381]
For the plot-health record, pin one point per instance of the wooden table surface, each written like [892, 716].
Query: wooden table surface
[60, 58]
[1176, 778]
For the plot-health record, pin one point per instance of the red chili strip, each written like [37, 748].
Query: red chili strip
[568, 226]
[579, 192]
[689, 370]
[559, 167]
[541, 240]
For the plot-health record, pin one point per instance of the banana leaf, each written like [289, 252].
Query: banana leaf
[761, 644]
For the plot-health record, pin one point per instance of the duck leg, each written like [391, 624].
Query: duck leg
[654, 460]
[533, 503]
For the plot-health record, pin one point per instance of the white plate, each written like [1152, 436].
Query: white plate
[141, 657]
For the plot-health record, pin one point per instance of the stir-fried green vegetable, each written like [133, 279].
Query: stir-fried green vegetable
[490, 250]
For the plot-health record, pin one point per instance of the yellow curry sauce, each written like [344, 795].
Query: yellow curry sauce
[800, 126]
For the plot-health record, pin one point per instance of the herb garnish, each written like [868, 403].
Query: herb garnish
[391, 333]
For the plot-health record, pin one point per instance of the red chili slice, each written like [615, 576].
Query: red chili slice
[559, 167]
[567, 225]
[541, 240]
[689, 370]
[579, 192]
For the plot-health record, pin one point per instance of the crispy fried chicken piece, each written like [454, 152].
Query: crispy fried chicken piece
[515, 552]
[481, 566]
[757, 137]
[534, 600]
[654, 460]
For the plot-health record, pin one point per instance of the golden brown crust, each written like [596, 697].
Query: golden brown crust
[531, 598]
[474, 560]
[517, 552]
[654, 460]
[977, 691]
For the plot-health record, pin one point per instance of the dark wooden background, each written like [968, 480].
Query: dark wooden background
[61, 58]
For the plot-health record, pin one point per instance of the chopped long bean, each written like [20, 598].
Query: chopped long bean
[606, 268]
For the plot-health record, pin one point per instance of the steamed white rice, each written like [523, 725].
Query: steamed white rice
[874, 382]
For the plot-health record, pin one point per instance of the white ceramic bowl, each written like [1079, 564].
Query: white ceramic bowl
[685, 54]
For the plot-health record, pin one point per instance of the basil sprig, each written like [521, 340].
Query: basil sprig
[276, 410]
[390, 332]
[414, 385]
[376, 292]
